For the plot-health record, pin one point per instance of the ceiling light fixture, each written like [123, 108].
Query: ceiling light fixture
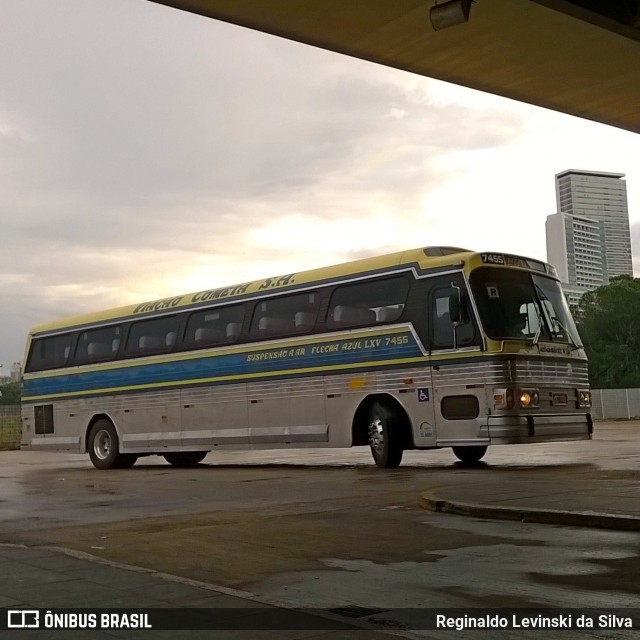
[450, 13]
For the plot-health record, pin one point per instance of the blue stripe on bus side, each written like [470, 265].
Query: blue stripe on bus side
[379, 348]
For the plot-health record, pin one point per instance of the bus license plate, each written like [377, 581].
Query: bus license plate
[559, 398]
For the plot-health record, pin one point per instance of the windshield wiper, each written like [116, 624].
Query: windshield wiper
[568, 334]
[550, 321]
[542, 315]
[536, 337]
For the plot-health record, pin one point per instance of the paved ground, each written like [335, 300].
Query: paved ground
[315, 527]
[51, 579]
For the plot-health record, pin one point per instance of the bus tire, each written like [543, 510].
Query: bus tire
[469, 455]
[385, 438]
[185, 458]
[103, 447]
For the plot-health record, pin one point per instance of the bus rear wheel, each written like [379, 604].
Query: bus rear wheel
[469, 455]
[103, 447]
[185, 458]
[384, 436]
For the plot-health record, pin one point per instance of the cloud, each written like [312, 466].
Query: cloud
[146, 152]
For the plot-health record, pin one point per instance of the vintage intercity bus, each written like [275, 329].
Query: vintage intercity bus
[422, 349]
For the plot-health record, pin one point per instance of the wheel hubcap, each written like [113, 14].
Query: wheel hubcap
[102, 444]
[376, 434]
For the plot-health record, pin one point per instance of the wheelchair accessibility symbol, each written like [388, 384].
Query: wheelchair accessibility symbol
[423, 395]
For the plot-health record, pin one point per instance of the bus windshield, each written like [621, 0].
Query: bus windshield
[521, 305]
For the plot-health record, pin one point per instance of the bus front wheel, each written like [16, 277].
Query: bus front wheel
[469, 455]
[103, 447]
[384, 436]
[185, 458]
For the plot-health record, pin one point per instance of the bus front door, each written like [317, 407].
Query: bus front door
[456, 372]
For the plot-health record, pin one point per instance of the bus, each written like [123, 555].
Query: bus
[421, 349]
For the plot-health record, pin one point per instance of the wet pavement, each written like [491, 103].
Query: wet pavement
[604, 493]
[58, 582]
[254, 530]
[591, 499]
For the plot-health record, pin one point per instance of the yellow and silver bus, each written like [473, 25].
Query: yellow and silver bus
[422, 349]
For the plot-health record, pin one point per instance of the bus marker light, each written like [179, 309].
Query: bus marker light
[503, 398]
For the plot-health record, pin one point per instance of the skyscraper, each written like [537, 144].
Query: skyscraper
[588, 239]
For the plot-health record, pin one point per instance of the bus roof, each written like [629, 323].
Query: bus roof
[423, 258]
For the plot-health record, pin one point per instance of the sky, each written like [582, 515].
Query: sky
[147, 152]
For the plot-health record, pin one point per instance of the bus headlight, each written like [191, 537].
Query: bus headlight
[584, 398]
[529, 398]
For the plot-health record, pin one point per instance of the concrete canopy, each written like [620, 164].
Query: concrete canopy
[563, 55]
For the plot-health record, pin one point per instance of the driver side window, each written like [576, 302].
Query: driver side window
[445, 333]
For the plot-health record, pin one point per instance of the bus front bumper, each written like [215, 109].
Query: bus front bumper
[523, 429]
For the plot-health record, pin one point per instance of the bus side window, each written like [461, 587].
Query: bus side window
[447, 334]
[214, 327]
[368, 303]
[283, 316]
[147, 337]
[98, 345]
[49, 353]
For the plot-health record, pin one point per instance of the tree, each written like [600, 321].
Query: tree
[10, 393]
[609, 324]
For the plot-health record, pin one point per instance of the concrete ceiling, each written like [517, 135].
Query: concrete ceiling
[579, 57]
